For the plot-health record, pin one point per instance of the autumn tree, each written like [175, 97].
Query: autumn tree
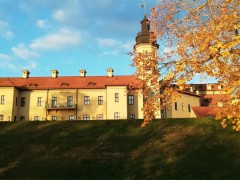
[198, 37]
[147, 70]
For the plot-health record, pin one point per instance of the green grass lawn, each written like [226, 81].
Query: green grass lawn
[166, 149]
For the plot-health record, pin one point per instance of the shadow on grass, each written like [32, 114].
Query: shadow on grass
[171, 148]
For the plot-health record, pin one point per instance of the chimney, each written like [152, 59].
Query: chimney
[54, 73]
[110, 72]
[25, 74]
[191, 88]
[209, 86]
[83, 73]
[219, 86]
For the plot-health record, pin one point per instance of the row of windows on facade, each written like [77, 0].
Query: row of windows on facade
[72, 117]
[183, 107]
[69, 100]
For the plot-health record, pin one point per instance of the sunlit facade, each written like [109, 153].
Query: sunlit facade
[87, 97]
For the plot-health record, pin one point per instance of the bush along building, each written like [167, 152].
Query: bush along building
[96, 97]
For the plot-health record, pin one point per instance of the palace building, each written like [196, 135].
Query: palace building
[75, 97]
[91, 97]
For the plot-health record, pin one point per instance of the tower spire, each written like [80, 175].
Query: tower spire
[143, 6]
[144, 35]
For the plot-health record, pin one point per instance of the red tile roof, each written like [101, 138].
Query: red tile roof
[189, 93]
[206, 111]
[6, 82]
[67, 82]
[213, 99]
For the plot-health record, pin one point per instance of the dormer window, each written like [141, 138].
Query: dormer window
[64, 84]
[32, 85]
[91, 84]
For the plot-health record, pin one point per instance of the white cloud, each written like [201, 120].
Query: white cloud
[23, 52]
[114, 52]
[107, 42]
[114, 47]
[128, 46]
[3, 24]
[8, 65]
[8, 34]
[71, 15]
[5, 31]
[59, 40]
[59, 15]
[14, 66]
[167, 50]
[5, 57]
[12, 63]
[42, 23]
[31, 65]
[103, 42]
[7, 62]
[25, 6]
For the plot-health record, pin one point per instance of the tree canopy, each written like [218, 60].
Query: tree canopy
[196, 37]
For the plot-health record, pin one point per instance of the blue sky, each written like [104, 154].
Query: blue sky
[68, 35]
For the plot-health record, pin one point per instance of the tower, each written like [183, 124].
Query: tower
[144, 45]
[147, 69]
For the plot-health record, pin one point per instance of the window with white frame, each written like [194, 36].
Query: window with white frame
[183, 107]
[23, 101]
[99, 116]
[116, 115]
[86, 117]
[36, 118]
[131, 116]
[69, 101]
[2, 99]
[189, 108]
[54, 101]
[71, 117]
[116, 97]
[130, 99]
[39, 101]
[176, 106]
[54, 118]
[86, 100]
[100, 100]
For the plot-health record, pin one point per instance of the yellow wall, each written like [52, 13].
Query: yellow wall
[34, 109]
[24, 110]
[6, 109]
[15, 105]
[93, 108]
[61, 112]
[182, 104]
[145, 47]
[209, 89]
[112, 106]
[136, 108]
[109, 107]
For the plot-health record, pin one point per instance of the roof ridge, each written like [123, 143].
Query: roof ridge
[11, 82]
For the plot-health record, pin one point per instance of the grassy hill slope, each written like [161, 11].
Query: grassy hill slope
[171, 148]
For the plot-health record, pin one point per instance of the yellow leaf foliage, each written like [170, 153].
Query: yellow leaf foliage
[204, 38]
